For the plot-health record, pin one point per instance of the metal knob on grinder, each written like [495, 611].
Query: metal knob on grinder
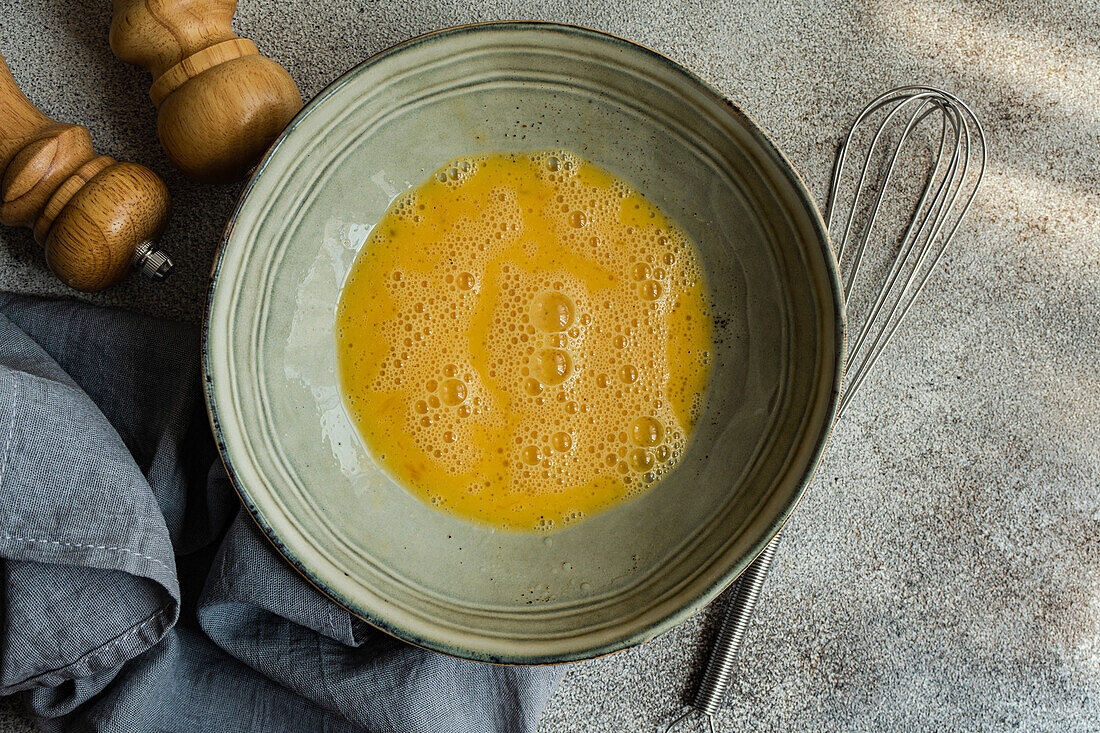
[95, 217]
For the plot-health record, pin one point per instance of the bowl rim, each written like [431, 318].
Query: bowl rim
[703, 597]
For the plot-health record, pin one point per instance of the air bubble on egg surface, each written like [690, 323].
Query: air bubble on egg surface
[452, 392]
[646, 431]
[651, 290]
[641, 460]
[552, 311]
[551, 367]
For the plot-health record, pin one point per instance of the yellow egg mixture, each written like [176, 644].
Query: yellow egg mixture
[524, 340]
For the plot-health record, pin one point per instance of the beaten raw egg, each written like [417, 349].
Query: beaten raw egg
[524, 340]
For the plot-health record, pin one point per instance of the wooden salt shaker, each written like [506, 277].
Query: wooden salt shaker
[95, 217]
[220, 104]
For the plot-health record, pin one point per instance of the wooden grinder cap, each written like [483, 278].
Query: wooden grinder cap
[220, 104]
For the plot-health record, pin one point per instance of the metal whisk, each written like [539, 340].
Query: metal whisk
[959, 163]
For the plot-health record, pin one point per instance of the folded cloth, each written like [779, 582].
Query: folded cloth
[137, 595]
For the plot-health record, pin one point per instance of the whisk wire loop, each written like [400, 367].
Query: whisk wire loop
[958, 167]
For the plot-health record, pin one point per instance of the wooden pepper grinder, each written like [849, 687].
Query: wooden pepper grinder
[94, 216]
[220, 104]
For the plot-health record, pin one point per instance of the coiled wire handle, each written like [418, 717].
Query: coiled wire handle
[960, 161]
[719, 673]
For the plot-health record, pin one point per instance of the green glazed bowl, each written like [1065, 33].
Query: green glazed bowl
[304, 473]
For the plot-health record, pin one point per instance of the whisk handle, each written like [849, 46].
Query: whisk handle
[720, 666]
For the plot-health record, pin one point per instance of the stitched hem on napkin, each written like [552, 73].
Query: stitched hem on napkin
[112, 654]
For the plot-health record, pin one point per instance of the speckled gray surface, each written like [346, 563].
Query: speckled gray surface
[943, 571]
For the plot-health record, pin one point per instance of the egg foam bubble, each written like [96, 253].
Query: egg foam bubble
[524, 340]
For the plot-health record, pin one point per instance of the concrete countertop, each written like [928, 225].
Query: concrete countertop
[943, 570]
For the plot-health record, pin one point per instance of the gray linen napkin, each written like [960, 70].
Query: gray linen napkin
[135, 594]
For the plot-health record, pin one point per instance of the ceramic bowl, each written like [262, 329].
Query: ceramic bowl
[304, 473]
